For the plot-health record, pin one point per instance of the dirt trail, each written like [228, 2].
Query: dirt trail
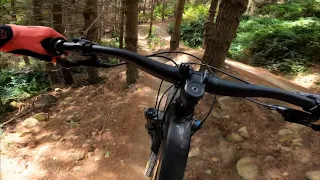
[97, 132]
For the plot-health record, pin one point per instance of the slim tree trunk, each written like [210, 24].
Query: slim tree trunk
[67, 78]
[26, 60]
[115, 12]
[37, 15]
[37, 19]
[164, 5]
[90, 14]
[131, 38]
[223, 31]
[210, 21]
[151, 17]
[2, 108]
[14, 10]
[175, 36]
[144, 7]
[122, 23]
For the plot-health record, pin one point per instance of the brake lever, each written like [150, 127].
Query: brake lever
[316, 97]
[299, 117]
[92, 63]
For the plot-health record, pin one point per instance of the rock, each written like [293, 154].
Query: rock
[194, 152]
[58, 90]
[215, 114]
[55, 137]
[243, 132]
[68, 100]
[122, 161]
[30, 122]
[76, 155]
[76, 169]
[207, 171]
[234, 137]
[285, 138]
[97, 158]
[90, 154]
[283, 132]
[283, 148]
[313, 175]
[269, 158]
[247, 169]
[274, 175]
[46, 100]
[297, 144]
[226, 116]
[214, 159]
[297, 140]
[42, 159]
[285, 174]
[40, 117]
[85, 145]
[75, 117]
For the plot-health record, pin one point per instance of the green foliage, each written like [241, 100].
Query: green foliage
[293, 10]
[168, 11]
[19, 83]
[154, 40]
[110, 42]
[284, 37]
[143, 18]
[282, 46]
[192, 26]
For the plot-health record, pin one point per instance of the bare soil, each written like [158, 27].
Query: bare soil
[106, 138]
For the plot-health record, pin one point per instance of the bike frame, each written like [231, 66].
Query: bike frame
[177, 127]
[175, 144]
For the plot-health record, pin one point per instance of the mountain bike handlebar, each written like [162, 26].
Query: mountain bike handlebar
[171, 74]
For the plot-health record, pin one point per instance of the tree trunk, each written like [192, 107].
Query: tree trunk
[37, 15]
[144, 7]
[175, 10]
[122, 23]
[131, 37]
[67, 78]
[37, 20]
[14, 10]
[90, 14]
[151, 17]
[224, 31]
[210, 21]
[164, 5]
[26, 60]
[2, 108]
[175, 36]
[115, 12]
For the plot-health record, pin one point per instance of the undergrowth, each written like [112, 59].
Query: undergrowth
[18, 81]
[192, 26]
[155, 41]
[280, 37]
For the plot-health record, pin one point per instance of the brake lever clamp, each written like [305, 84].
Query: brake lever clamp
[299, 117]
[85, 45]
[316, 97]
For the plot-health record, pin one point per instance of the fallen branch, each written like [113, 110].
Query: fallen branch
[24, 113]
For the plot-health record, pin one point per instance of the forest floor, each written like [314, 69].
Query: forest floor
[97, 132]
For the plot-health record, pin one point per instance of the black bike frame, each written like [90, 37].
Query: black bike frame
[177, 126]
[176, 142]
